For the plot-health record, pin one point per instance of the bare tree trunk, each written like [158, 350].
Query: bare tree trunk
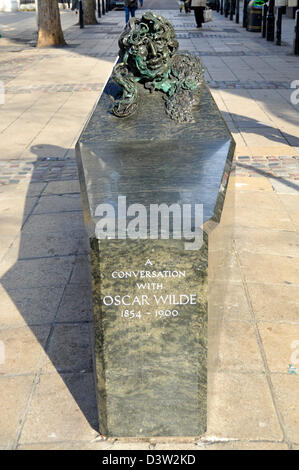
[89, 12]
[49, 25]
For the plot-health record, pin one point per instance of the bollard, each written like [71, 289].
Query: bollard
[237, 11]
[270, 21]
[221, 7]
[226, 8]
[81, 15]
[99, 8]
[245, 13]
[278, 26]
[296, 35]
[231, 10]
[264, 20]
[103, 7]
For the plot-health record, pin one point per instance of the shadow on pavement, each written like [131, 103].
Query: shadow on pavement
[50, 281]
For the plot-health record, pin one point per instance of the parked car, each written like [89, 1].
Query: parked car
[117, 4]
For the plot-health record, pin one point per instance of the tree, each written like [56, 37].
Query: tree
[49, 25]
[89, 12]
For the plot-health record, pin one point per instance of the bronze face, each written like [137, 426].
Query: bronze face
[148, 55]
[150, 44]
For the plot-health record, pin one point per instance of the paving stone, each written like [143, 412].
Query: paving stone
[229, 299]
[263, 218]
[238, 348]
[62, 406]
[118, 445]
[76, 304]
[29, 306]
[23, 349]
[279, 342]
[69, 349]
[52, 244]
[41, 272]
[286, 392]
[270, 269]
[53, 223]
[268, 241]
[65, 203]
[15, 393]
[94, 445]
[68, 445]
[246, 183]
[17, 204]
[81, 272]
[251, 415]
[177, 446]
[62, 187]
[271, 213]
[249, 445]
[227, 271]
[273, 303]
[290, 202]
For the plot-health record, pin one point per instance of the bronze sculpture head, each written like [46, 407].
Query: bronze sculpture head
[148, 55]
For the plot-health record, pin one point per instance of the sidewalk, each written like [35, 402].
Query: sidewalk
[46, 380]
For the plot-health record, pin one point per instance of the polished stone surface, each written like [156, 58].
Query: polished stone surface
[152, 368]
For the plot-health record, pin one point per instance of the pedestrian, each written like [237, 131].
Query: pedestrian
[198, 6]
[75, 6]
[187, 6]
[130, 8]
[68, 3]
[141, 3]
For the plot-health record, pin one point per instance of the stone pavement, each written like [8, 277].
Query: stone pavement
[46, 382]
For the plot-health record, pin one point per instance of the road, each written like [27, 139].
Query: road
[161, 4]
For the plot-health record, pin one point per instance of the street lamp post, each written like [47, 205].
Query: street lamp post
[264, 20]
[237, 11]
[226, 8]
[270, 21]
[278, 26]
[245, 5]
[231, 10]
[81, 15]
